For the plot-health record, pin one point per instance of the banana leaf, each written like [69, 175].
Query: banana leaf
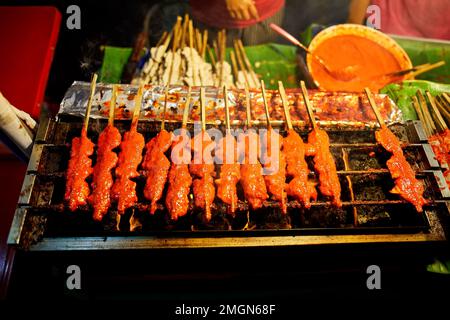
[401, 94]
[114, 60]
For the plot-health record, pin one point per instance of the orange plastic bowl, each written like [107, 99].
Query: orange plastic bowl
[367, 53]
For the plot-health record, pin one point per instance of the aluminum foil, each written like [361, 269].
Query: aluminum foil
[336, 109]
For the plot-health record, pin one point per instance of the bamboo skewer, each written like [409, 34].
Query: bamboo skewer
[234, 65]
[227, 110]
[186, 109]
[375, 108]
[439, 120]
[191, 44]
[427, 68]
[285, 103]
[266, 107]
[444, 111]
[163, 121]
[162, 39]
[241, 64]
[421, 116]
[211, 56]
[247, 107]
[247, 62]
[112, 105]
[426, 112]
[137, 107]
[446, 97]
[203, 107]
[309, 108]
[205, 41]
[89, 103]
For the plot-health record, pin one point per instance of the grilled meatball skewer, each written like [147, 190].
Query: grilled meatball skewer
[230, 171]
[102, 181]
[318, 140]
[156, 163]
[80, 163]
[180, 181]
[130, 156]
[299, 188]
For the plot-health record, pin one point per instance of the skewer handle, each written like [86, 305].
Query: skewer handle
[137, 106]
[112, 105]
[186, 108]
[308, 105]
[439, 118]
[227, 110]
[91, 98]
[266, 107]
[247, 106]
[166, 94]
[203, 107]
[285, 102]
[374, 107]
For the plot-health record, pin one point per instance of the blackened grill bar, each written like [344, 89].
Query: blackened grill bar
[42, 222]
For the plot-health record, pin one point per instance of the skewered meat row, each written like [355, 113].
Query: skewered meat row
[157, 167]
[440, 143]
[252, 181]
[300, 188]
[230, 172]
[275, 167]
[203, 172]
[406, 184]
[79, 169]
[130, 156]
[102, 182]
[179, 179]
[324, 164]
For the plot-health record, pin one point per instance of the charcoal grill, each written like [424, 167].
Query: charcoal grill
[370, 214]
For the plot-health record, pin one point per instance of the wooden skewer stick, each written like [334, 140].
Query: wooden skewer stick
[89, 103]
[211, 56]
[247, 107]
[241, 64]
[227, 110]
[234, 66]
[426, 112]
[191, 44]
[285, 102]
[162, 39]
[444, 112]
[440, 120]
[266, 107]
[163, 121]
[375, 108]
[203, 107]
[446, 97]
[137, 107]
[186, 109]
[427, 68]
[419, 112]
[308, 105]
[247, 62]
[112, 105]
[205, 41]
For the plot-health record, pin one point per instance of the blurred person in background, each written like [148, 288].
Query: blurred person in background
[415, 18]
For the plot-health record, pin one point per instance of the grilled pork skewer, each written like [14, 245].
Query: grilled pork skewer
[156, 164]
[275, 178]
[230, 171]
[406, 184]
[102, 181]
[130, 156]
[203, 169]
[299, 188]
[180, 181]
[324, 164]
[252, 181]
[80, 165]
